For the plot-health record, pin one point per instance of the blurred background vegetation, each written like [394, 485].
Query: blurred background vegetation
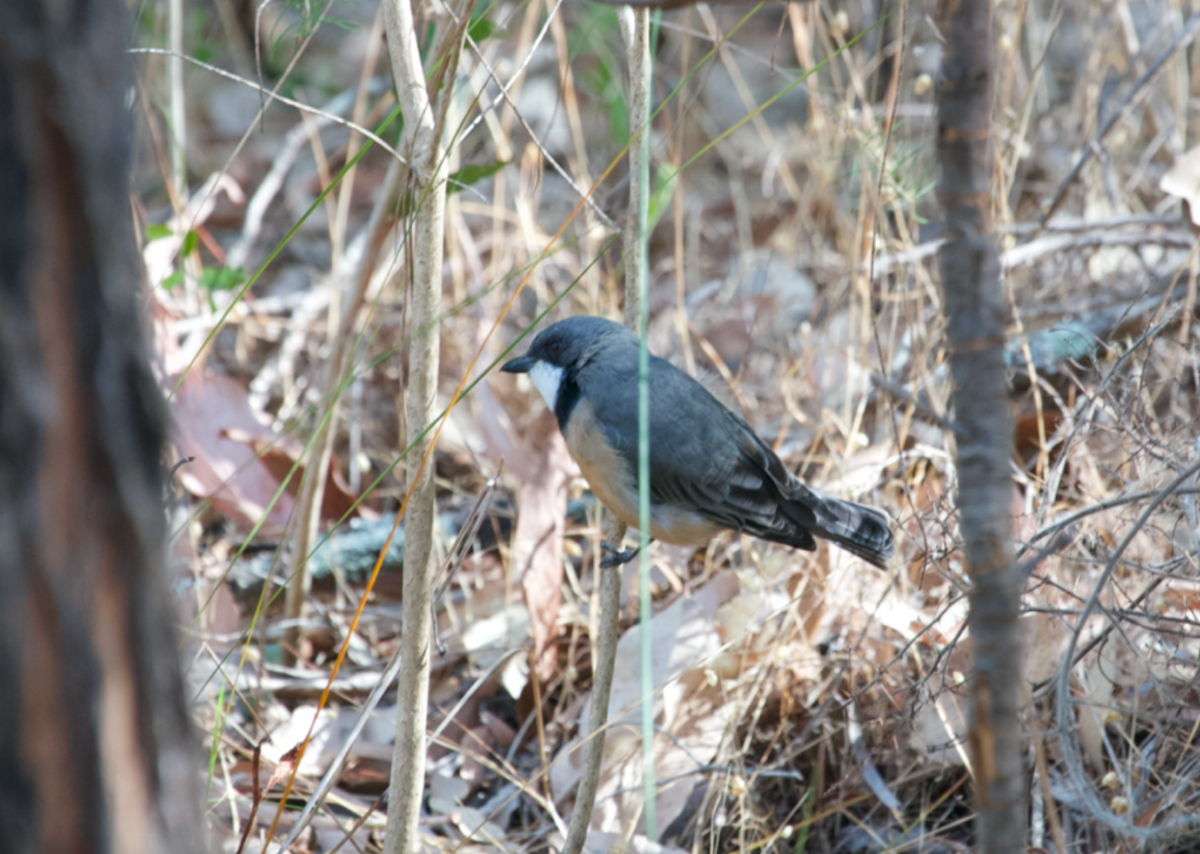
[809, 703]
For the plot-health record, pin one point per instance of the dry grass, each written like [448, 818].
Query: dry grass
[820, 707]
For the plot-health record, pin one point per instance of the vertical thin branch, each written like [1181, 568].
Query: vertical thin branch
[427, 186]
[178, 110]
[641, 70]
[312, 491]
[975, 316]
[602, 679]
[635, 27]
[177, 100]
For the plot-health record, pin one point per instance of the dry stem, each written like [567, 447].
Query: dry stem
[428, 191]
[636, 30]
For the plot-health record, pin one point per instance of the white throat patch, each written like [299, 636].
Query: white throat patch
[546, 378]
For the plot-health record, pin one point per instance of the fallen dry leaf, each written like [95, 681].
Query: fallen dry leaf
[684, 637]
[241, 486]
[1183, 180]
[337, 500]
[537, 544]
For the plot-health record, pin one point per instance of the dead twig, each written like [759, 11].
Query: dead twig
[1182, 40]
[316, 111]
[901, 394]
[1098, 507]
[423, 135]
[1070, 239]
[635, 26]
[1064, 708]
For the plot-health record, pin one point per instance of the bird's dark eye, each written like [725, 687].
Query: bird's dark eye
[555, 346]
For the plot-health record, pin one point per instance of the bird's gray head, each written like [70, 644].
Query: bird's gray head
[560, 351]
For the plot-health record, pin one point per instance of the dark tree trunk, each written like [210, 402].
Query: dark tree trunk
[96, 751]
[975, 313]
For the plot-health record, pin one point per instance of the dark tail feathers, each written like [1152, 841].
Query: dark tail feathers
[861, 530]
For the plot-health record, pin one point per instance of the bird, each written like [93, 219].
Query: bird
[709, 470]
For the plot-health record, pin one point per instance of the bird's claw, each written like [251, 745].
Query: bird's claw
[615, 556]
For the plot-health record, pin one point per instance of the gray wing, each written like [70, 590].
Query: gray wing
[706, 459]
[703, 457]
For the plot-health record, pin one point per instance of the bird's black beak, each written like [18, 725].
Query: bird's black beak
[519, 365]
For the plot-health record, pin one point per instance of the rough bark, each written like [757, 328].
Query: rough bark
[95, 740]
[975, 313]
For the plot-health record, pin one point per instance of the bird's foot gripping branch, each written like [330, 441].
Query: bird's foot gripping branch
[616, 557]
